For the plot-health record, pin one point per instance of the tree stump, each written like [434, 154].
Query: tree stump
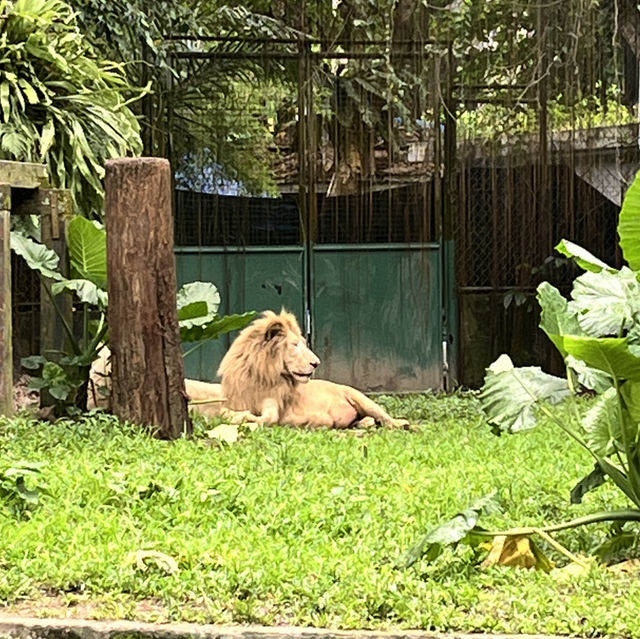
[147, 364]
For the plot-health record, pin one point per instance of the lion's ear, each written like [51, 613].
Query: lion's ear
[275, 329]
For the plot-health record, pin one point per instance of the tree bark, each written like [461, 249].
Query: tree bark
[148, 370]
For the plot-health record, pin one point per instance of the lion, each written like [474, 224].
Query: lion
[266, 379]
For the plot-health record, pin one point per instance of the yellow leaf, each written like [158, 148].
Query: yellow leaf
[142, 559]
[629, 567]
[516, 550]
[225, 433]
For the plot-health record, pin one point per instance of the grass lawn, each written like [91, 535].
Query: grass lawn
[299, 527]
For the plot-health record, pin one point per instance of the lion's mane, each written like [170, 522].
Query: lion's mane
[254, 366]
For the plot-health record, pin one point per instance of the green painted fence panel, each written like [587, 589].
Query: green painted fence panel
[252, 278]
[376, 309]
[377, 315]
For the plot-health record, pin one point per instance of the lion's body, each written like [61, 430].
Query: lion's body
[265, 378]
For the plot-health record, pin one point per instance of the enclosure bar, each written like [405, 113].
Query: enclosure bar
[55, 209]
[6, 351]
[306, 175]
[289, 55]
[305, 38]
[449, 202]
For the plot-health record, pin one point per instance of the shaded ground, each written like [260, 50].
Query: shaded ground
[24, 398]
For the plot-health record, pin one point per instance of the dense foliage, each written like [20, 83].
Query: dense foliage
[65, 376]
[61, 102]
[191, 113]
[218, 118]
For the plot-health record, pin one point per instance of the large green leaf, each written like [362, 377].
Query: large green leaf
[451, 532]
[198, 304]
[602, 424]
[556, 319]
[37, 256]
[606, 303]
[88, 250]
[588, 377]
[583, 258]
[216, 327]
[630, 393]
[511, 395]
[608, 354]
[86, 291]
[629, 225]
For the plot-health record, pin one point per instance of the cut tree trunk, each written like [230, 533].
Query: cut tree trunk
[148, 370]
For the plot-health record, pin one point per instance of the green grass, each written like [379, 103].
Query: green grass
[300, 527]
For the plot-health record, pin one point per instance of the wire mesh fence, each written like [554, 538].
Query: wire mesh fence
[505, 126]
[517, 129]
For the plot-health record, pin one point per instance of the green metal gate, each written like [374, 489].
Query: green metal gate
[357, 243]
[376, 313]
[377, 317]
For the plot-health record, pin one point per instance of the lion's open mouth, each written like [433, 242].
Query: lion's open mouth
[302, 377]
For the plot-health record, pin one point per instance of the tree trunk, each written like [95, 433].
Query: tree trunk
[148, 370]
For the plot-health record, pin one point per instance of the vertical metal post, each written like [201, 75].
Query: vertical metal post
[55, 210]
[439, 212]
[542, 186]
[450, 323]
[6, 352]
[308, 202]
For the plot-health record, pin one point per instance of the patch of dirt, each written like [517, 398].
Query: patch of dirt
[25, 398]
[87, 607]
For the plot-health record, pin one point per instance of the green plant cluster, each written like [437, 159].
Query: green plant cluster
[60, 103]
[597, 332]
[66, 375]
[21, 487]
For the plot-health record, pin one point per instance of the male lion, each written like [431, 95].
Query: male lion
[266, 379]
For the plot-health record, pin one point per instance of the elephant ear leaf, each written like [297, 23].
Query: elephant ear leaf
[583, 258]
[37, 256]
[556, 318]
[459, 528]
[198, 304]
[88, 250]
[629, 225]
[216, 327]
[86, 291]
[510, 395]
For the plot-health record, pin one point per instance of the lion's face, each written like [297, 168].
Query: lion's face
[299, 360]
[286, 343]
[267, 360]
